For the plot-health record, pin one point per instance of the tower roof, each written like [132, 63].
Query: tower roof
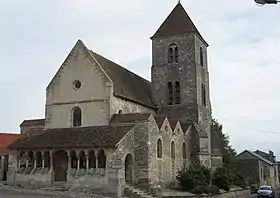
[177, 22]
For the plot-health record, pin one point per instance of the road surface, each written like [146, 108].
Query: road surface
[15, 194]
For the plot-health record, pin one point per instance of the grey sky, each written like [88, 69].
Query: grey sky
[244, 45]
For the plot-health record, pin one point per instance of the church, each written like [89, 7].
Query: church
[106, 128]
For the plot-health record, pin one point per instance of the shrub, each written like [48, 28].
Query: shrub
[198, 190]
[213, 189]
[253, 189]
[239, 181]
[193, 176]
[220, 178]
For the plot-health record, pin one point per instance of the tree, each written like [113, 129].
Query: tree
[227, 150]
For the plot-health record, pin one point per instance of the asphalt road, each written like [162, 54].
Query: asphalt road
[6, 193]
[14, 194]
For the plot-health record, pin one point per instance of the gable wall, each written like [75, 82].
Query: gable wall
[92, 97]
[125, 106]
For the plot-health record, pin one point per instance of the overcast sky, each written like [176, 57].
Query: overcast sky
[36, 36]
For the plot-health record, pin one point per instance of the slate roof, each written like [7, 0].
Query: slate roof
[177, 22]
[159, 121]
[185, 126]
[97, 136]
[33, 122]
[129, 118]
[257, 156]
[173, 123]
[265, 155]
[127, 84]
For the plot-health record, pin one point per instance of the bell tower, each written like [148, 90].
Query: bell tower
[180, 78]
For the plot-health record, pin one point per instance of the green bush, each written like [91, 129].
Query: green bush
[213, 189]
[220, 178]
[198, 190]
[239, 181]
[193, 176]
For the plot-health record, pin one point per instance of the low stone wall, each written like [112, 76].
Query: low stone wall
[242, 193]
[100, 181]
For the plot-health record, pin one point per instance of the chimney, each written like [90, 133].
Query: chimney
[271, 156]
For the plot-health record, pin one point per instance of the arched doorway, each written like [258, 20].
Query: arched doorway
[128, 169]
[60, 165]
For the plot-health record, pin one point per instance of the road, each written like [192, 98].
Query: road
[15, 194]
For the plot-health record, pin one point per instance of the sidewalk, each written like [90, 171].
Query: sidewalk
[66, 194]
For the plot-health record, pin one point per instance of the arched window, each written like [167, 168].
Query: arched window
[170, 93]
[176, 54]
[201, 56]
[170, 55]
[173, 54]
[77, 117]
[159, 149]
[172, 150]
[101, 159]
[203, 95]
[184, 151]
[177, 93]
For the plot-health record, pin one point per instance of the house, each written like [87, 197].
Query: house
[105, 127]
[259, 167]
[5, 140]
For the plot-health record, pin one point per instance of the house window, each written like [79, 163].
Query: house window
[177, 93]
[173, 54]
[201, 56]
[203, 95]
[170, 93]
[172, 150]
[77, 117]
[159, 149]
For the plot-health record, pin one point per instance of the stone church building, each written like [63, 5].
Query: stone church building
[105, 127]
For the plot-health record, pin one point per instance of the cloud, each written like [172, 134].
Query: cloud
[244, 69]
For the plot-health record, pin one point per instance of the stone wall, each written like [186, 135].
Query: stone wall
[249, 168]
[118, 104]
[242, 193]
[163, 170]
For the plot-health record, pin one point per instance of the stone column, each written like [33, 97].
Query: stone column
[35, 163]
[87, 162]
[78, 164]
[51, 166]
[69, 163]
[43, 162]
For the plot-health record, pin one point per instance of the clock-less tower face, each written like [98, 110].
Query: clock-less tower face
[180, 79]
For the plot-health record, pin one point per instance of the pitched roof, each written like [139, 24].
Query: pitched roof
[185, 126]
[129, 118]
[127, 84]
[5, 140]
[173, 123]
[266, 155]
[33, 122]
[97, 136]
[177, 22]
[159, 121]
[257, 156]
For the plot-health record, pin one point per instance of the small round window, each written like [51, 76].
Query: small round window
[77, 84]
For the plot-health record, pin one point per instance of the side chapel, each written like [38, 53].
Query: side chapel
[106, 127]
